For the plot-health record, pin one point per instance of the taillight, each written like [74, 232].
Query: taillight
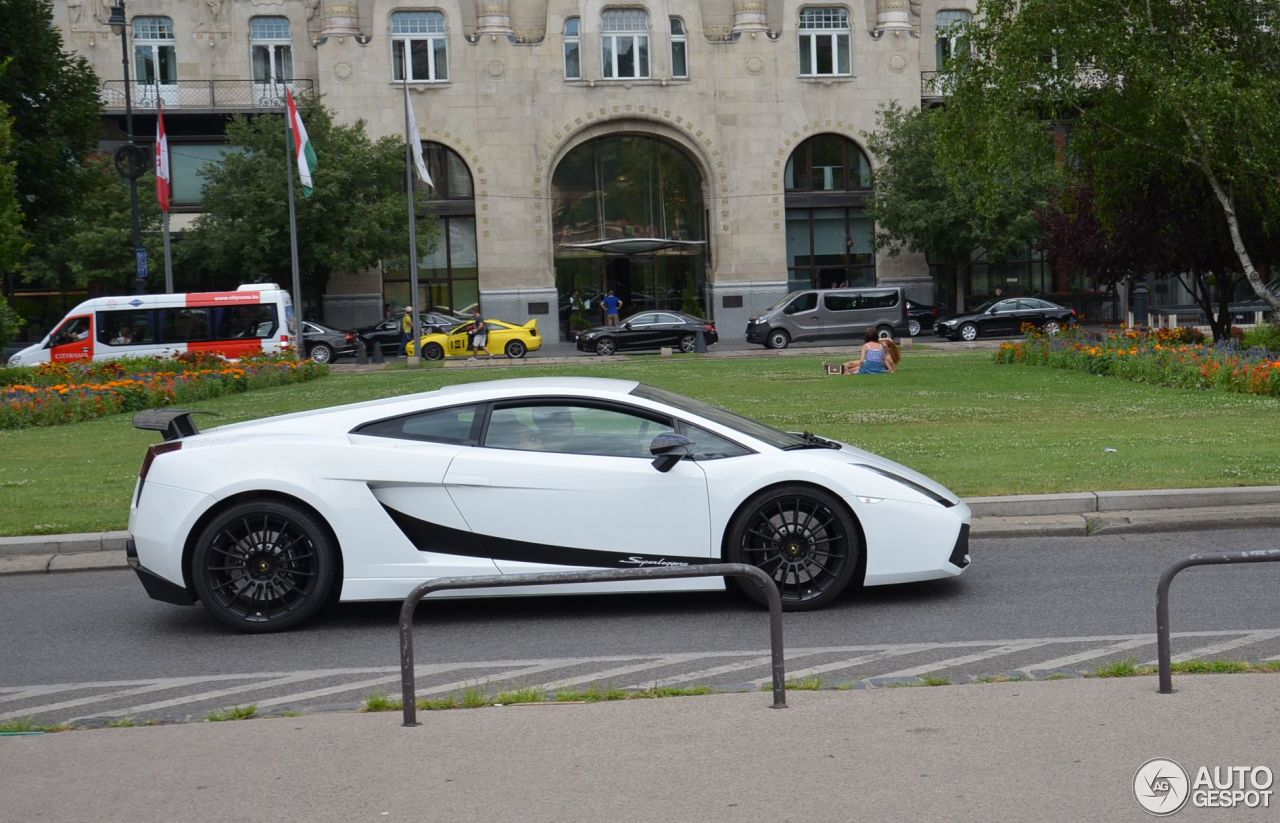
[351, 338]
[153, 453]
[934, 312]
[710, 327]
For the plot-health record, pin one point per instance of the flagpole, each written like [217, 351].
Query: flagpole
[411, 360]
[168, 257]
[299, 347]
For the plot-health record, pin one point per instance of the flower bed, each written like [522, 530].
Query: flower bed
[1162, 357]
[55, 393]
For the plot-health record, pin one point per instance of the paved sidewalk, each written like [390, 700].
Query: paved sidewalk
[1042, 515]
[1064, 750]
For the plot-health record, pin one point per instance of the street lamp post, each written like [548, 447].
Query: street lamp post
[131, 161]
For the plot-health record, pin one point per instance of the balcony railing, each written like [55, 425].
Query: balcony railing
[935, 85]
[203, 95]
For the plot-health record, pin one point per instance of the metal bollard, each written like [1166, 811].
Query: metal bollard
[377, 352]
[700, 342]
[362, 351]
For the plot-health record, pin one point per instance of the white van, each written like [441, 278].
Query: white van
[253, 318]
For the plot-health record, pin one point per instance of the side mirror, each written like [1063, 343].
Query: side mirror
[626, 325]
[669, 449]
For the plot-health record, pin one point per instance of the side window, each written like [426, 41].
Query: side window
[183, 325]
[126, 328]
[805, 302]
[246, 321]
[679, 49]
[1007, 305]
[571, 429]
[878, 300]
[645, 319]
[452, 425]
[72, 331]
[708, 446]
[840, 302]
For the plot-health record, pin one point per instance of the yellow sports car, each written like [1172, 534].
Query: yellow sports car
[504, 338]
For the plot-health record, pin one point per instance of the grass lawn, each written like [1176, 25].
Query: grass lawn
[977, 427]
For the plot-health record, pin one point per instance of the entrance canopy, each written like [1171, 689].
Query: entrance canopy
[634, 245]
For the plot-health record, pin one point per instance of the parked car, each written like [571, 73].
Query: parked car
[921, 318]
[648, 330]
[1005, 317]
[387, 333]
[504, 338]
[830, 314]
[266, 521]
[325, 343]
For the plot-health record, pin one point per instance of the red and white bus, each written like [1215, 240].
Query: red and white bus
[253, 318]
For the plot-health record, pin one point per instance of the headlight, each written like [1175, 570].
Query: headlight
[13, 361]
[911, 484]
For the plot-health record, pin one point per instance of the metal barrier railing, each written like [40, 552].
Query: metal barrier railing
[203, 95]
[1162, 599]
[408, 691]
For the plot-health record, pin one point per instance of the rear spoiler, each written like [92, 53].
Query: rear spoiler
[174, 423]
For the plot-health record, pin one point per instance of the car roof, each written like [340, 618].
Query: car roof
[341, 419]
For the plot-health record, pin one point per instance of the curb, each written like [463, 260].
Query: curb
[1043, 515]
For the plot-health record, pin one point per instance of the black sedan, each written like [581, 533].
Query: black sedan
[387, 333]
[325, 343]
[1006, 317]
[920, 318]
[648, 330]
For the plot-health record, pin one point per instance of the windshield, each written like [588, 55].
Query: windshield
[766, 434]
[981, 309]
[780, 303]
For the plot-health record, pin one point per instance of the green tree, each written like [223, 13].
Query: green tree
[12, 243]
[356, 215]
[52, 96]
[947, 190]
[95, 244]
[1145, 89]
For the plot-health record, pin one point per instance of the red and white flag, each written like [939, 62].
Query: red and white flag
[162, 160]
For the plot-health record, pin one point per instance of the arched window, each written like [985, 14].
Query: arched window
[572, 46]
[679, 50]
[419, 42]
[624, 44]
[154, 51]
[829, 234]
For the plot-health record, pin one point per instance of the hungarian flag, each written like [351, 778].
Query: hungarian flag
[162, 160]
[301, 144]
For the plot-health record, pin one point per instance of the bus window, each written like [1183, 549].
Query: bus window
[245, 322]
[125, 328]
[73, 330]
[184, 325]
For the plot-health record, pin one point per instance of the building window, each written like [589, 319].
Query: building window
[950, 40]
[824, 42]
[154, 51]
[419, 42]
[830, 238]
[624, 44]
[270, 50]
[572, 45]
[679, 49]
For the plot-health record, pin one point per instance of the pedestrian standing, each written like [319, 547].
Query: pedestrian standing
[406, 329]
[612, 305]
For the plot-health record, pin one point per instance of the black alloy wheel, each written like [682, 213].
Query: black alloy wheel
[515, 349]
[606, 346]
[433, 351]
[688, 343]
[884, 332]
[803, 538]
[263, 566]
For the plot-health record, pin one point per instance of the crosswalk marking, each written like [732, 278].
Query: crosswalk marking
[977, 657]
[102, 697]
[1090, 654]
[1219, 648]
[824, 668]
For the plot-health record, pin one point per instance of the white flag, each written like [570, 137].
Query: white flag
[415, 143]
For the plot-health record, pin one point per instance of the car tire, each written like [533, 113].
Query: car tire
[778, 339]
[913, 327]
[433, 351]
[884, 332]
[969, 332]
[515, 349]
[688, 343]
[803, 537]
[264, 565]
[320, 353]
[1051, 327]
[606, 346]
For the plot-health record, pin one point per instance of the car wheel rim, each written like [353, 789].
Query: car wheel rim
[1052, 327]
[605, 347]
[969, 333]
[261, 570]
[320, 354]
[778, 341]
[799, 542]
[433, 352]
[914, 327]
[515, 350]
[687, 343]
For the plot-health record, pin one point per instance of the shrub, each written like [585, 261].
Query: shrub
[1263, 336]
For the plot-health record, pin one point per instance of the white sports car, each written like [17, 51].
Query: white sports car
[266, 521]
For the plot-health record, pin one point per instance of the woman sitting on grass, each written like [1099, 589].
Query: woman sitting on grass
[877, 356]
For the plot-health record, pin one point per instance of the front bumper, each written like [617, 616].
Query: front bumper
[157, 587]
[757, 332]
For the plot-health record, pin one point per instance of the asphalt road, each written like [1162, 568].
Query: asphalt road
[1065, 604]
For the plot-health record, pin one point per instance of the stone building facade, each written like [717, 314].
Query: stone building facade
[669, 150]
